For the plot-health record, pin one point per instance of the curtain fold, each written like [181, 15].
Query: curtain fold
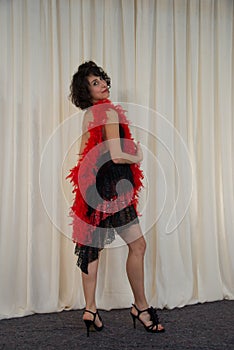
[171, 64]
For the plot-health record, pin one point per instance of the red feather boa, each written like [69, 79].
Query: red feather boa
[83, 175]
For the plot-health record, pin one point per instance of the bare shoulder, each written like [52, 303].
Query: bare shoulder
[112, 116]
[88, 115]
[87, 118]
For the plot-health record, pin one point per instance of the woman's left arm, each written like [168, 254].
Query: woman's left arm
[114, 145]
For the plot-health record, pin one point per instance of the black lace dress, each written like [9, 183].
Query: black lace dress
[112, 180]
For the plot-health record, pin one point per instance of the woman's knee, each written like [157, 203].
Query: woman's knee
[138, 247]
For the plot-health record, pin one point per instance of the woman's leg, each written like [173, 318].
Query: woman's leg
[135, 269]
[89, 286]
[135, 262]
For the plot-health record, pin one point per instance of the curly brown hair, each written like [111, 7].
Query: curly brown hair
[80, 95]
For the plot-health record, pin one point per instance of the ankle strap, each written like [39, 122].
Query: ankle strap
[91, 312]
[139, 311]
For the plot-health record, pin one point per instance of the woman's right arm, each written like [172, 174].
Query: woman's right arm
[114, 144]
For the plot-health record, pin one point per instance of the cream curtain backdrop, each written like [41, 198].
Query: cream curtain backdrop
[173, 57]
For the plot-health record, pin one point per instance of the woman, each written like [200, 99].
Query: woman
[106, 182]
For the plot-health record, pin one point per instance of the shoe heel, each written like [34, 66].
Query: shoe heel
[88, 323]
[134, 320]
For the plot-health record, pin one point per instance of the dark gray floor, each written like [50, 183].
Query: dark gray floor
[201, 326]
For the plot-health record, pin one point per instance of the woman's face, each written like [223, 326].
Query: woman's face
[98, 88]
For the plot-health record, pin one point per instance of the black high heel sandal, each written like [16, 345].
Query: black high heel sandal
[153, 317]
[90, 323]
